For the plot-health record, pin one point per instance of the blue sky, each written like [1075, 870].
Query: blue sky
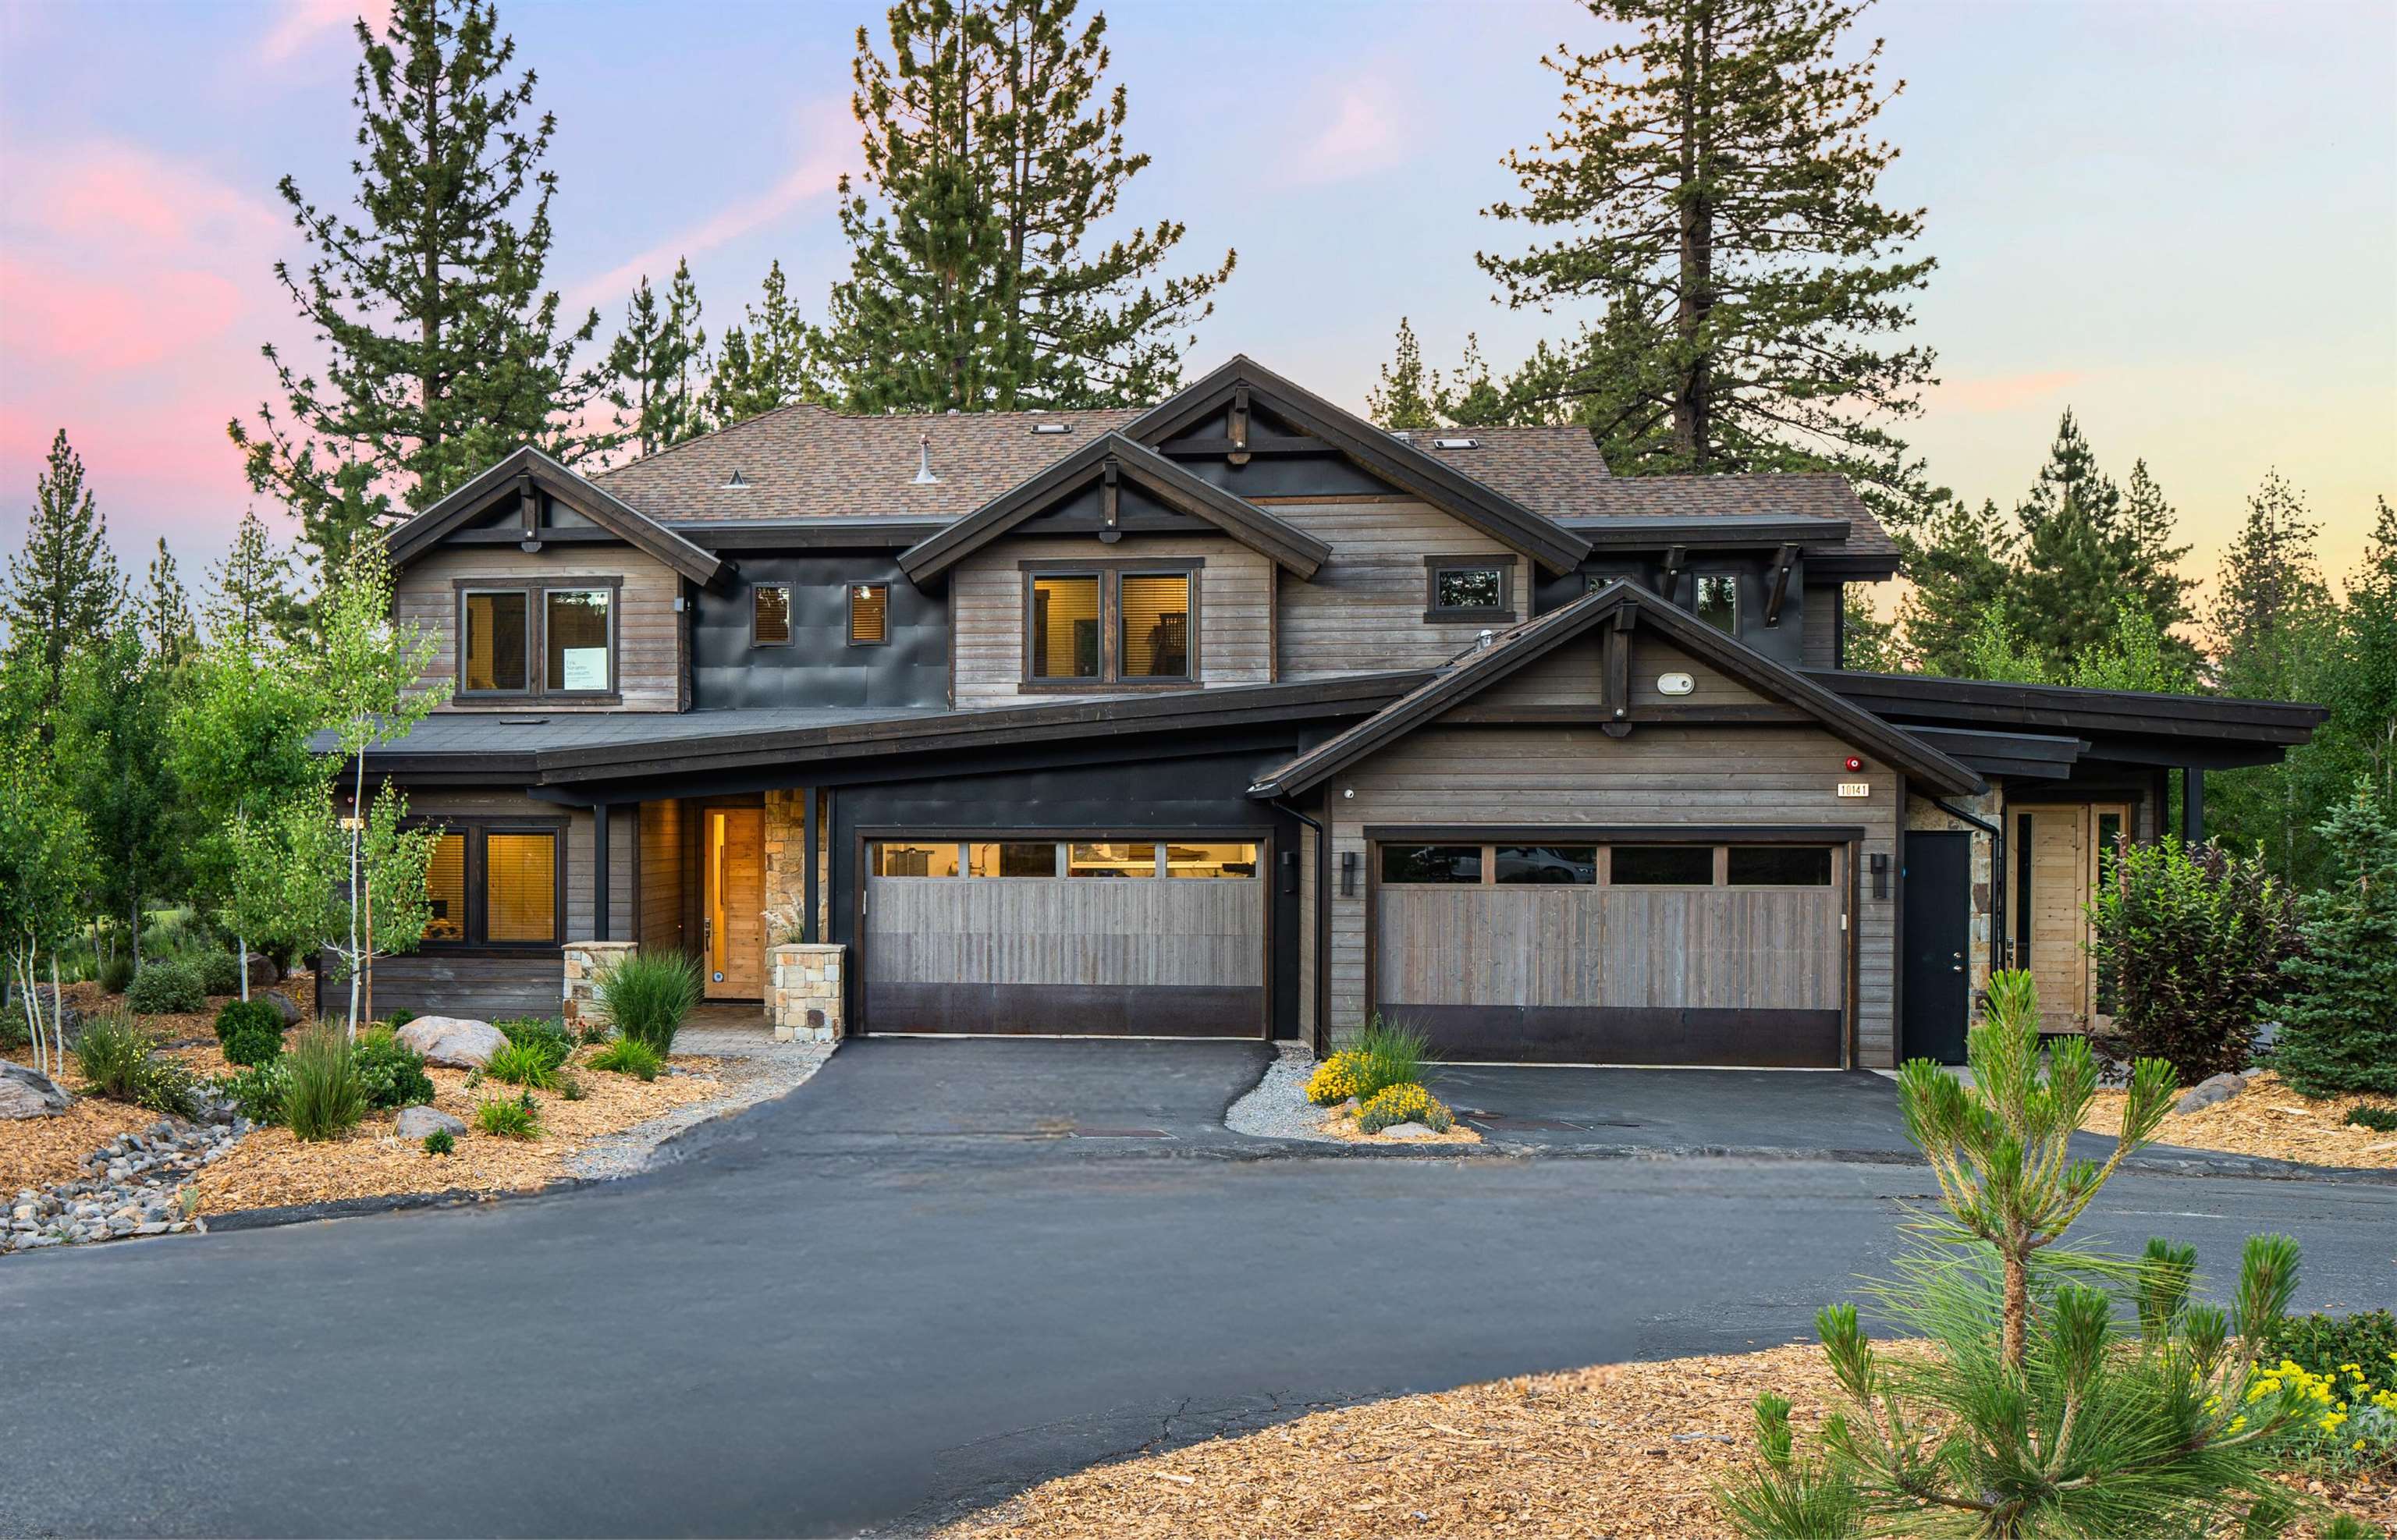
[2179, 219]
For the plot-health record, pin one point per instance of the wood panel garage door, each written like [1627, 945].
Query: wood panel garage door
[1629, 954]
[1145, 938]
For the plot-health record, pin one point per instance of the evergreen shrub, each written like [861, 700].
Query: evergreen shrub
[2189, 944]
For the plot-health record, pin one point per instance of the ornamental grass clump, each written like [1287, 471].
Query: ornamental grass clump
[522, 1064]
[647, 995]
[516, 1117]
[629, 1056]
[323, 1097]
[543, 1036]
[1403, 1103]
[115, 1057]
[2058, 1392]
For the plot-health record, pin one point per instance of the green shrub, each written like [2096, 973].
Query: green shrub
[254, 1043]
[168, 985]
[115, 1057]
[522, 1064]
[392, 1072]
[647, 996]
[440, 1142]
[546, 1036]
[399, 1018]
[325, 1098]
[509, 1117]
[1385, 1056]
[2190, 944]
[2325, 1344]
[236, 1014]
[258, 1092]
[2341, 1019]
[570, 1087]
[116, 973]
[218, 970]
[2378, 1120]
[629, 1056]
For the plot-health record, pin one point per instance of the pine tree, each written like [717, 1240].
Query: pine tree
[115, 750]
[249, 591]
[764, 363]
[1410, 396]
[1868, 643]
[163, 614]
[62, 587]
[2341, 1015]
[1959, 561]
[991, 153]
[2084, 544]
[443, 351]
[656, 362]
[2358, 742]
[1713, 185]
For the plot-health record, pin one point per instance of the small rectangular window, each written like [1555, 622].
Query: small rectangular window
[498, 641]
[1664, 866]
[1718, 602]
[869, 614]
[1111, 860]
[769, 614]
[1210, 861]
[520, 887]
[1431, 863]
[1538, 866]
[1155, 615]
[1012, 859]
[444, 889]
[895, 858]
[1780, 866]
[1465, 588]
[1065, 627]
[578, 633]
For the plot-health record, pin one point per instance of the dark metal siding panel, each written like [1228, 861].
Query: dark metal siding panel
[819, 667]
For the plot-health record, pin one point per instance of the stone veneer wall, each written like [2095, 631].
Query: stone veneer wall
[585, 961]
[803, 992]
[1989, 807]
[786, 859]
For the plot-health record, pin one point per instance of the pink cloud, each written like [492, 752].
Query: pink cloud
[1366, 134]
[306, 22]
[103, 325]
[1997, 393]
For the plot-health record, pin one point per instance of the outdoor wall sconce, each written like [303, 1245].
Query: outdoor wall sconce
[1347, 873]
[1880, 875]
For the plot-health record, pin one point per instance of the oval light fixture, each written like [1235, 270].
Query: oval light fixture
[1675, 683]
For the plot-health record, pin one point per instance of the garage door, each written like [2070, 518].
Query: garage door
[1624, 953]
[1144, 938]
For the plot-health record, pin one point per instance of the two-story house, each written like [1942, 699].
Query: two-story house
[1239, 717]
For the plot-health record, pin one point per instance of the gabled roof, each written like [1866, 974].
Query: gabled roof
[1113, 454]
[1624, 603]
[1392, 459]
[412, 540]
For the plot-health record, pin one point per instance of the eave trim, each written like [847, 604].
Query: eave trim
[412, 541]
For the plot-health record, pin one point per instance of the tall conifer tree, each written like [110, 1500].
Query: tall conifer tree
[991, 149]
[443, 349]
[1409, 397]
[62, 587]
[1712, 187]
[249, 591]
[1959, 562]
[2086, 545]
[656, 365]
[163, 612]
[763, 363]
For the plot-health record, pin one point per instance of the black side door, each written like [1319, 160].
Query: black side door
[1938, 882]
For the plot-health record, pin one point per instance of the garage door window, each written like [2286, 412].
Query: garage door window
[1233, 860]
[1780, 866]
[1664, 866]
[1431, 864]
[1111, 860]
[1549, 866]
[1012, 858]
[892, 859]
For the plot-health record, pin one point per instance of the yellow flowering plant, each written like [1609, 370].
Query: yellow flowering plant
[1403, 1103]
[1334, 1080]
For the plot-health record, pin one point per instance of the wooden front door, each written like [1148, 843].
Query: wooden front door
[732, 845]
[2062, 854]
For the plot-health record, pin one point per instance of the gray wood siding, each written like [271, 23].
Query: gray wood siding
[1236, 598]
[1364, 608]
[624, 858]
[650, 666]
[1658, 775]
[1573, 675]
[1710, 948]
[434, 983]
[662, 848]
[1820, 639]
[1065, 930]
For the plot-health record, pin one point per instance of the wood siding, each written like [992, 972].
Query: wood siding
[1364, 608]
[652, 671]
[1065, 930]
[1820, 617]
[1236, 598]
[440, 983]
[661, 887]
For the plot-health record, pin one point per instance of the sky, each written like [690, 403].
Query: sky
[2179, 219]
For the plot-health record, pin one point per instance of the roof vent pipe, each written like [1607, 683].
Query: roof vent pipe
[924, 476]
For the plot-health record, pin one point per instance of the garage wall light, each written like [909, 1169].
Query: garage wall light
[1347, 873]
[1880, 875]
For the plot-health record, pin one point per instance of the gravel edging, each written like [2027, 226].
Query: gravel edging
[1276, 1107]
[757, 1072]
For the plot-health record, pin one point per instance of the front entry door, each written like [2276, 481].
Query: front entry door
[2063, 856]
[732, 841]
[1938, 881]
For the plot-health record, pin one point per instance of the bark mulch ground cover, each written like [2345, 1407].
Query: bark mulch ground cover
[35, 1152]
[1623, 1452]
[2268, 1118]
[1342, 1125]
[270, 1169]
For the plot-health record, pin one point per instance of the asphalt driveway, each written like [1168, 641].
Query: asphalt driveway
[1544, 1106]
[819, 1322]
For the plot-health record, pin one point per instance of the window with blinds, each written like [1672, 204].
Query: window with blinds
[1065, 627]
[869, 614]
[497, 627]
[444, 889]
[520, 887]
[1154, 616]
[769, 614]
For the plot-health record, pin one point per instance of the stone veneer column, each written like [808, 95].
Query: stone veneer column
[803, 992]
[585, 961]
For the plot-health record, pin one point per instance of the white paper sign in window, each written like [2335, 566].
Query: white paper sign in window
[586, 668]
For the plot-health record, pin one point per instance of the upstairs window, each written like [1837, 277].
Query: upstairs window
[1155, 610]
[579, 625]
[1112, 623]
[537, 642]
[769, 614]
[1717, 601]
[869, 614]
[497, 632]
[1467, 588]
[1065, 627]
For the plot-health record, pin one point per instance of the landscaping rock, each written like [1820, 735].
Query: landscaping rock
[283, 1003]
[262, 971]
[453, 1042]
[133, 1186]
[1407, 1130]
[416, 1122]
[2207, 1093]
[27, 1092]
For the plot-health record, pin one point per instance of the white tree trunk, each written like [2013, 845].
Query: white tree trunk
[357, 835]
[58, 1008]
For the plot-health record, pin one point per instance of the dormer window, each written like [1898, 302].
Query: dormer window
[537, 642]
[1468, 588]
[1717, 601]
[1111, 625]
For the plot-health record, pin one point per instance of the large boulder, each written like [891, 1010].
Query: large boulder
[27, 1092]
[2211, 1091]
[282, 1002]
[454, 1041]
[416, 1123]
